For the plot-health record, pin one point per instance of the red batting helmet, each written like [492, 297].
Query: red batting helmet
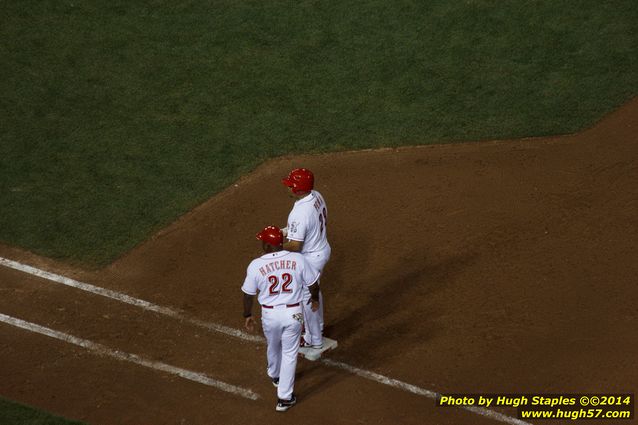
[300, 179]
[271, 235]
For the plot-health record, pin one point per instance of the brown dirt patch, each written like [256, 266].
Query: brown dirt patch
[497, 267]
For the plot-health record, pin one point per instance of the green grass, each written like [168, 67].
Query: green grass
[116, 117]
[14, 414]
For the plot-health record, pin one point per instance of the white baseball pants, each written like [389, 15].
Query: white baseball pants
[314, 319]
[282, 330]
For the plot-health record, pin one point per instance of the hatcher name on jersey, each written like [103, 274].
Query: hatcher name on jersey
[278, 265]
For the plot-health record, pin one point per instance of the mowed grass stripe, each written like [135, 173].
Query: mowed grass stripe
[118, 117]
[12, 413]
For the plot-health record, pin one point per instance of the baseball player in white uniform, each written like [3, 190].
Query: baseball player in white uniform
[279, 278]
[307, 234]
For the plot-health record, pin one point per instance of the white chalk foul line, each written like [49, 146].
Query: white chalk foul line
[420, 391]
[242, 335]
[127, 299]
[132, 358]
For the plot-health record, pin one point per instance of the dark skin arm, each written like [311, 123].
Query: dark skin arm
[249, 322]
[314, 296]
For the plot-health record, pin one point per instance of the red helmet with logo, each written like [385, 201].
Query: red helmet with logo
[300, 180]
[271, 235]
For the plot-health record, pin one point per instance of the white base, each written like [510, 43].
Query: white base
[313, 354]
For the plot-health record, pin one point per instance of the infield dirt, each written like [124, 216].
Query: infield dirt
[491, 267]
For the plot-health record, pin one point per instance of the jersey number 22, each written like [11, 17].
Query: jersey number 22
[274, 283]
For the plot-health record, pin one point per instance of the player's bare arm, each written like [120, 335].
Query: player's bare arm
[249, 322]
[314, 296]
[294, 246]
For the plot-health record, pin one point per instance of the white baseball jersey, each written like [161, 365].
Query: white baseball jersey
[307, 223]
[279, 277]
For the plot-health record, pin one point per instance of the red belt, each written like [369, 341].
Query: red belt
[287, 305]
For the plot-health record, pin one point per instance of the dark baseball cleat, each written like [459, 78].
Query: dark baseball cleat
[275, 381]
[283, 405]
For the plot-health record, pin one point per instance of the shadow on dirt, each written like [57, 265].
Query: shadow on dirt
[387, 312]
[314, 378]
[384, 321]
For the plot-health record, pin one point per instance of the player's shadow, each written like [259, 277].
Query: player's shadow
[313, 378]
[383, 316]
[392, 311]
